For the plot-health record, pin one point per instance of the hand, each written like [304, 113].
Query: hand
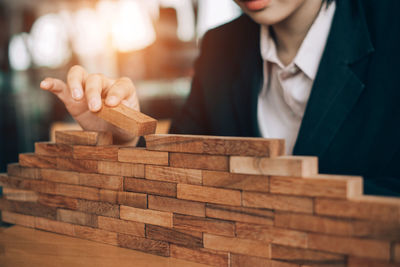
[82, 96]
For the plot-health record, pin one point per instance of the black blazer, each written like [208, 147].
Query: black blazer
[352, 120]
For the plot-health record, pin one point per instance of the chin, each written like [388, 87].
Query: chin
[266, 17]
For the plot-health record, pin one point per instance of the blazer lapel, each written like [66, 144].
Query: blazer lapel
[336, 88]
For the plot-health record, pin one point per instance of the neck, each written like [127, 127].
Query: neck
[290, 33]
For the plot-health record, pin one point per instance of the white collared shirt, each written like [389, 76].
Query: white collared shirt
[286, 90]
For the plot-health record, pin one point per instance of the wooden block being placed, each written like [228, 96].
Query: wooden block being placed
[78, 165]
[96, 235]
[65, 177]
[53, 150]
[216, 145]
[121, 169]
[159, 248]
[206, 225]
[132, 121]
[284, 166]
[277, 202]
[136, 200]
[77, 217]
[17, 170]
[244, 261]
[19, 219]
[175, 175]
[19, 195]
[246, 182]
[142, 155]
[37, 161]
[98, 208]
[84, 138]
[176, 205]
[318, 186]
[96, 152]
[150, 187]
[204, 256]
[160, 218]
[101, 181]
[58, 201]
[54, 226]
[121, 226]
[196, 161]
[173, 236]
[237, 245]
[209, 194]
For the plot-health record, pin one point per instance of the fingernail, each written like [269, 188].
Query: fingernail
[45, 84]
[77, 93]
[94, 104]
[112, 100]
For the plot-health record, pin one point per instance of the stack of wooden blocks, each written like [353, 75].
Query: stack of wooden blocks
[212, 200]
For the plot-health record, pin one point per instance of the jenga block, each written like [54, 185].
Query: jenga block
[150, 187]
[53, 150]
[305, 257]
[13, 182]
[75, 191]
[363, 262]
[204, 256]
[78, 165]
[17, 170]
[121, 226]
[121, 169]
[277, 202]
[197, 161]
[84, 138]
[37, 161]
[173, 236]
[209, 194]
[97, 235]
[101, 181]
[396, 252]
[176, 205]
[58, 201]
[160, 218]
[237, 245]
[54, 226]
[98, 208]
[206, 225]
[19, 195]
[132, 121]
[28, 208]
[175, 175]
[77, 217]
[216, 145]
[351, 246]
[15, 218]
[136, 200]
[376, 230]
[57, 176]
[318, 186]
[96, 152]
[156, 247]
[270, 234]
[244, 261]
[284, 166]
[240, 214]
[109, 196]
[236, 181]
[141, 155]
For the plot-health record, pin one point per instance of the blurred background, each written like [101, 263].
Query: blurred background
[154, 42]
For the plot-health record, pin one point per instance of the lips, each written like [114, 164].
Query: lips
[255, 5]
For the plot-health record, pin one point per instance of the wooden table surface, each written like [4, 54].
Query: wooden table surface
[20, 246]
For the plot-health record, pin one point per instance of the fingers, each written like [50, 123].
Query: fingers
[120, 90]
[93, 89]
[75, 79]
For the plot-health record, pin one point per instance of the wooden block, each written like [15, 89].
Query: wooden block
[54, 226]
[77, 217]
[376, 230]
[13, 182]
[98, 208]
[121, 226]
[197, 161]
[173, 236]
[96, 152]
[17, 170]
[318, 186]
[351, 246]
[396, 252]
[175, 175]
[78, 165]
[209, 194]
[176, 205]
[96, 235]
[204, 256]
[144, 156]
[109, 196]
[244, 261]
[136, 200]
[358, 262]
[237, 245]
[53, 150]
[28, 208]
[246, 182]
[121, 169]
[277, 202]
[75, 191]
[131, 121]
[19, 195]
[284, 166]
[101, 181]
[57, 176]
[216, 145]
[19, 219]
[58, 201]
[270, 234]
[159, 248]
[206, 225]
[240, 214]
[160, 218]
[150, 187]
[84, 138]
[37, 161]
[305, 257]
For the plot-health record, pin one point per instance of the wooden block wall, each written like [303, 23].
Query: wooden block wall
[212, 200]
